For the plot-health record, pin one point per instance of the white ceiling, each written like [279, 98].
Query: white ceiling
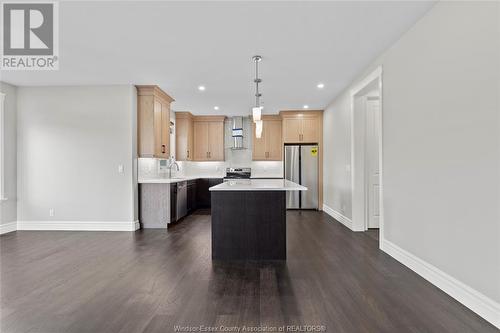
[181, 45]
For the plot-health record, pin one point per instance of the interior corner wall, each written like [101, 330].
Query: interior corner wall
[441, 144]
[71, 141]
[8, 208]
[337, 184]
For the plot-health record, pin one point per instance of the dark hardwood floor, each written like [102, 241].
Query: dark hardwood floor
[152, 280]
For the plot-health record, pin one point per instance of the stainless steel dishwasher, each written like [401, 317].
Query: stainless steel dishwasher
[181, 206]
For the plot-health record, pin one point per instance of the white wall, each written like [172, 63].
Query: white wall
[441, 145]
[8, 212]
[337, 187]
[71, 141]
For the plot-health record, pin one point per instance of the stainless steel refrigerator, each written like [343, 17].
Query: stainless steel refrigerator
[301, 167]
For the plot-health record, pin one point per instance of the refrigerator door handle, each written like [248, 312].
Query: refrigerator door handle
[292, 173]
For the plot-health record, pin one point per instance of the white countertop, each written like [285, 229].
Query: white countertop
[258, 185]
[177, 179]
[173, 180]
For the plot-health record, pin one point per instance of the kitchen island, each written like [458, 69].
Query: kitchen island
[249, 219]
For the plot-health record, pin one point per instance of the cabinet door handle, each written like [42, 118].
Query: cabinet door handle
[188, 153]
[210, 154]
[163, 149]
[206, 154]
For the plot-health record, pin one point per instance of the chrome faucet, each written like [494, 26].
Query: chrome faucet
[172, 162]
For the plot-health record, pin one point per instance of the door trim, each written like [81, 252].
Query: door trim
[359, 204]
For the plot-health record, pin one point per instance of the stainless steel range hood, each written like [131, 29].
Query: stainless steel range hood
[237, 133]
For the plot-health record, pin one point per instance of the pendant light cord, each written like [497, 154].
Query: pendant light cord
[257, 81]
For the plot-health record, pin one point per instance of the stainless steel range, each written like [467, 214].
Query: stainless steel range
[238, 173]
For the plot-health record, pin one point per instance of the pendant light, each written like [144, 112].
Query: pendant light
[258, 129]
[257, 110]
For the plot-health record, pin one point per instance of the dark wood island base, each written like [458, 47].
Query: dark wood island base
[248, 225]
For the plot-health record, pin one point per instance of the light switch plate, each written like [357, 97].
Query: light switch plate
[120, 168]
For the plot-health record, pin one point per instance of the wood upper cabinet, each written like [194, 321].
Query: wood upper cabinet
[310, 129]
[153, 122]
[208, 138]
[184, 136]
[259, 151]
[216, 140]
[292, 128]
[274, 140]
[200, 140]
[269, 147]
[302, 127]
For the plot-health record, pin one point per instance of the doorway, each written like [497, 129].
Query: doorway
[366, 154]
[372, 113]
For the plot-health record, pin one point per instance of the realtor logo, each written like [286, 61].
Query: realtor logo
[29, 36]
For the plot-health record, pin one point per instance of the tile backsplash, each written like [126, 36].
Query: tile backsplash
[148, 168]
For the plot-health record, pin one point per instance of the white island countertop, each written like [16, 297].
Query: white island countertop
[258, 185]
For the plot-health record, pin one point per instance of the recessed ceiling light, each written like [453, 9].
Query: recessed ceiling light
[320, 85]
[201, 88]
[306, 106]
[216, 108]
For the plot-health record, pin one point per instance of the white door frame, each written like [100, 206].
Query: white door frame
[359, 204]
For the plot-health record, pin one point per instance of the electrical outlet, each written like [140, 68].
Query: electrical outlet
[52, 212]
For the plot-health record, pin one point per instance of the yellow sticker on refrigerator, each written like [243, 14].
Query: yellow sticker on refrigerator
[314, 151]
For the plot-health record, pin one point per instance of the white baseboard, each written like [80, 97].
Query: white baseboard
[338, 216]
[471, 298]
[8, 227]
[79, 225]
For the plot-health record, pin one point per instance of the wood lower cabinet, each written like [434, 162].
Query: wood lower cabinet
[191, 196]
[153, 122]
[203, 194]
[208, 138]
[302, 127]
[184, 136]
[269, 147]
